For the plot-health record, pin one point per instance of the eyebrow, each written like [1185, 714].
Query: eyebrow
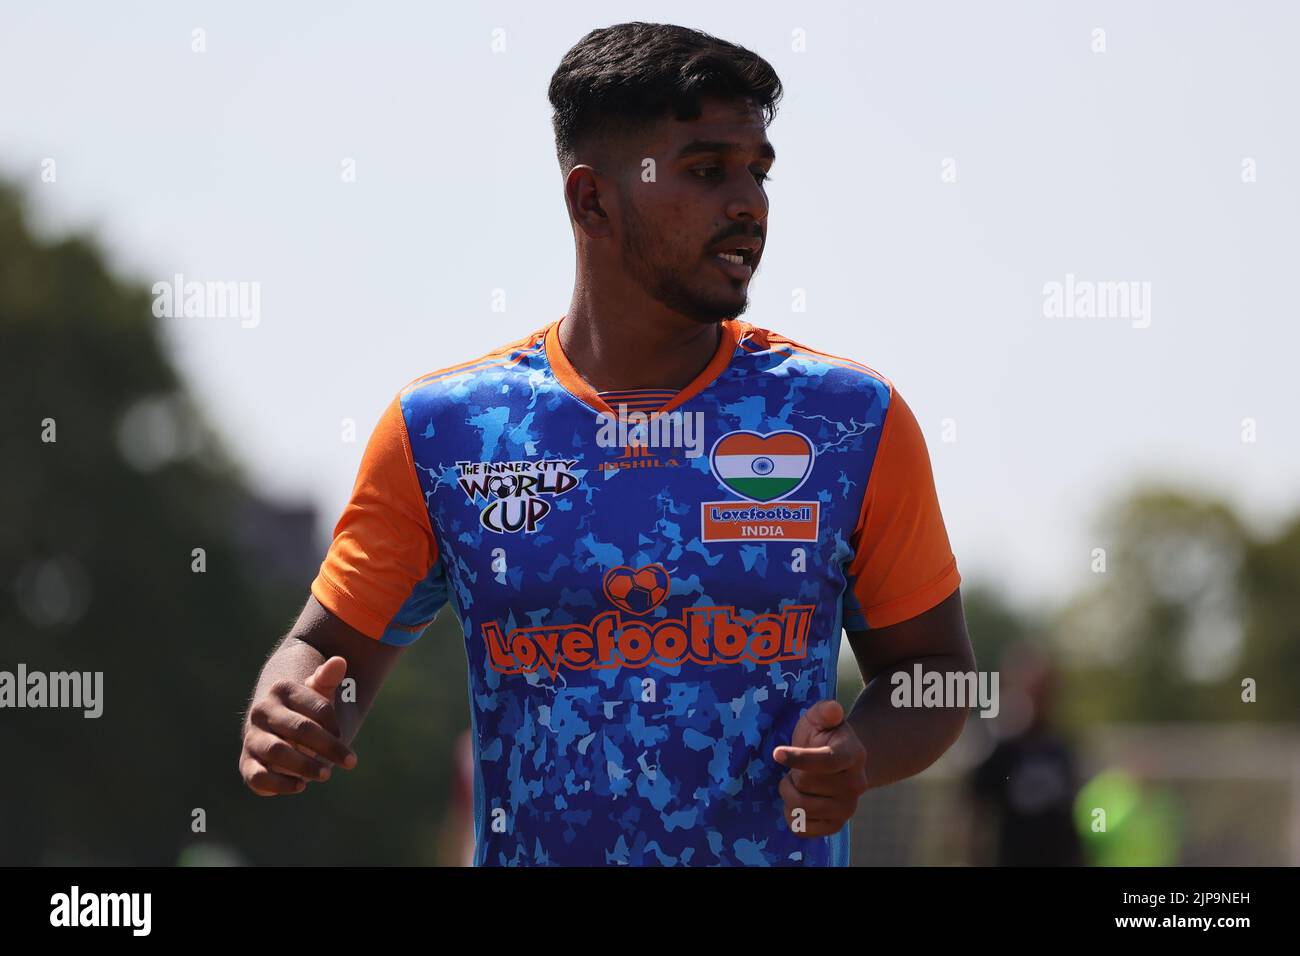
[722, 146]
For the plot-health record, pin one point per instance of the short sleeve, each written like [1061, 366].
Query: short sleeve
[903, 564]
[381, 574]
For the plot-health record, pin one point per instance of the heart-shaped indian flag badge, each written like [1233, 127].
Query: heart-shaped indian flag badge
[762, 467]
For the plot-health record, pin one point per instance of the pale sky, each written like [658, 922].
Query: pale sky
[1119, 166]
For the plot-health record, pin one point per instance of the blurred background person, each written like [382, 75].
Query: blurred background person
[1023, 793]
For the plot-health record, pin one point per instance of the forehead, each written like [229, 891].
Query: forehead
[736, 121]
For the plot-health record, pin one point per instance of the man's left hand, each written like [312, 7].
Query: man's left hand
[827, 771]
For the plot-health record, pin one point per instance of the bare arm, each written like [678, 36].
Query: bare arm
[902, 741]
[302, 717]
[834, 758]
[317, 636]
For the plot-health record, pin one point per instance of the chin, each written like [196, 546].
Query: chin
[715, 313]
[736, 309]
[716, 309]
[706, 308]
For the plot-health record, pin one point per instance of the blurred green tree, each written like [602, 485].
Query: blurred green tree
[97, 538]
[1187, 604]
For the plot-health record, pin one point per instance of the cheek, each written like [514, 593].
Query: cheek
[681, 228]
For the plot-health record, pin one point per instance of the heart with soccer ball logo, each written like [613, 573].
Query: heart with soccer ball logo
[637, 590]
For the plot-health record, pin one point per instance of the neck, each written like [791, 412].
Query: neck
[614, 348]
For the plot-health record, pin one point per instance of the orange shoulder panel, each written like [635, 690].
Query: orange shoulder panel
[903, 563]
[383, 543]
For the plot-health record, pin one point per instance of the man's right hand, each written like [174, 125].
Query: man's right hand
[292, 734]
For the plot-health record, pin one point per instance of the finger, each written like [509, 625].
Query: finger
[281, 756]
[848, 784]
[824, 715]
[818, 828]
[825, 760]
[806, 814]
[839, 787]
[297, 728]
[268, 783]
[308, 702]
[800, 819]
[814, 806]
[325, 679]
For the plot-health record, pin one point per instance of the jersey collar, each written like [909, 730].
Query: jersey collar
[579, 388]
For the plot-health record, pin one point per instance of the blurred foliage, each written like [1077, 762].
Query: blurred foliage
[1189, 605]
[95, 575]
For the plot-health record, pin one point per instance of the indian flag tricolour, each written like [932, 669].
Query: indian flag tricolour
[762, 467]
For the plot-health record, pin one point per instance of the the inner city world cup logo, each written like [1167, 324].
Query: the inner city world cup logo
[517, 493]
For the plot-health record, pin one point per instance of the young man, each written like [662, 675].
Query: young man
[651, 604]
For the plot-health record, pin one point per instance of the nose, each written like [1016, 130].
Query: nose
[750, 203]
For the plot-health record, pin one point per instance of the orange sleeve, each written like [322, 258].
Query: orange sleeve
[383, 558]
[903, 564]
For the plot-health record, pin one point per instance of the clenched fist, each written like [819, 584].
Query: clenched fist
[827, 771]
[292, 734]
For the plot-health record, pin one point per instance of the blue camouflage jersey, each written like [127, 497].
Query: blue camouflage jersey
[649, 599]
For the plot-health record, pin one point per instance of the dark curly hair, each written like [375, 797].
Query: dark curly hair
[630, 75]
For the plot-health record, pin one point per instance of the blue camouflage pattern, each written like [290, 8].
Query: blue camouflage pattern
[669, 762]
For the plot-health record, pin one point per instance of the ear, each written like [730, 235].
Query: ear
[584, 192]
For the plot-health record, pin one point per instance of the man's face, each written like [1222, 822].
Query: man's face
[708, 197]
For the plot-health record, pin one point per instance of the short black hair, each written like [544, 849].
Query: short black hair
[629, 75]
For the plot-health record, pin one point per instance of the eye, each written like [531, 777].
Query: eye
[709, 170]
[763, 176]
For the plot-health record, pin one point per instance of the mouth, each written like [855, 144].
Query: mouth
[733, 266]
[738, 261]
